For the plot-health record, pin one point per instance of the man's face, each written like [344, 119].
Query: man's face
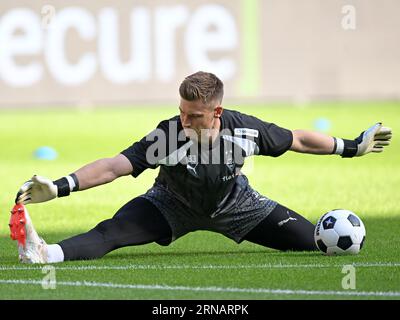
[198, 118]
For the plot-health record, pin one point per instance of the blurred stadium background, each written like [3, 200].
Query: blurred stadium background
[81, 80]
[63, 53]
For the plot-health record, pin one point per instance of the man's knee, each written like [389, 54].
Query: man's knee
[284, 230]
[107, 227]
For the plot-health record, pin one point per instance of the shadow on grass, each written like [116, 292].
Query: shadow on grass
[382, 242]
[220, 254]
[179, 250]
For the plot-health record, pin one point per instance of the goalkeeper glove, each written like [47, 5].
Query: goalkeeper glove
[372, 140]
[40, 189]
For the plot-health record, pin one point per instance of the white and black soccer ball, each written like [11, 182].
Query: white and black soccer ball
[339, 232]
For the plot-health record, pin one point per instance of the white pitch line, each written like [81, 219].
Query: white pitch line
[208, 289]
[207, 267]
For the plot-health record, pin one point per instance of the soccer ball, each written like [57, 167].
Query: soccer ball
[339, 232]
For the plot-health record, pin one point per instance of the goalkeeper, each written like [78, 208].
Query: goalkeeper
[192, 191]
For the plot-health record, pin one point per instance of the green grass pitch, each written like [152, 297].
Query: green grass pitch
[203, 265]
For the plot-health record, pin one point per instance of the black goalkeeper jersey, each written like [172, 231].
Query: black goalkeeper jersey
[204, 177]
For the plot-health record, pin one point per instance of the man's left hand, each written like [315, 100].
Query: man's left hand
[373, 140]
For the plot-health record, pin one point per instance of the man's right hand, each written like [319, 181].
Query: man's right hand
[38, 189]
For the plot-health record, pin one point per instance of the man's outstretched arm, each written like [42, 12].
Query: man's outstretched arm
[372, 140]
[103, 171]
[41, 189]
[312, 142]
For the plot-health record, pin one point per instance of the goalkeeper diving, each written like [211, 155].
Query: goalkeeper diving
[200, 186]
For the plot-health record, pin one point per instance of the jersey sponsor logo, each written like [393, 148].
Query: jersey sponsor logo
[228, 178]
[249, 146]
[246, 132]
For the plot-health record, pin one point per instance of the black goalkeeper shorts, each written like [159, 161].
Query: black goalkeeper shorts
[234, 220]
[140, 222]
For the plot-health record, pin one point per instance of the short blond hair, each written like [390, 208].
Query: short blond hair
[202, 86]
